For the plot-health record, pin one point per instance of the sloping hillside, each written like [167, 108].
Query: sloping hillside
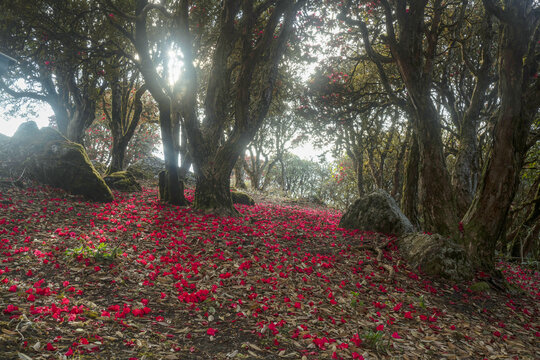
[136, 279]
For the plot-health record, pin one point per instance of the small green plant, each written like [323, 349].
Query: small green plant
[355, 302]
[100, 253]
[374, 340]
[421, 302]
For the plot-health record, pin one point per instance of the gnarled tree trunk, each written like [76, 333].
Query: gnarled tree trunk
[409, 200]
[484, 222]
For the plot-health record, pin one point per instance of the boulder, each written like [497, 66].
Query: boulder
[378, 212]
[242, 198]
[122, 181]
[51, 159]
[147, 168]
[436, 255]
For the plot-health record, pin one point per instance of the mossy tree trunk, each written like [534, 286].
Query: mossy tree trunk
[519, 92]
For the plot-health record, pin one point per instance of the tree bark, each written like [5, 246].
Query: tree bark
[484, 222]
[239, 174]
[436, 198]
[397, 178]
[466, 169]
[527, 231]
[173, 191]
[118, 153]
[409, 200]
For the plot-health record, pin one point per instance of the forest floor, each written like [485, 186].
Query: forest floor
[137, 279]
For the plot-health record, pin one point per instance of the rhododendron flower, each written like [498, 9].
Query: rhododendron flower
[211, 331]
[408, 315]
[395, 335]
[380, 327]
[13, 288]
[11, 308]
[50, 347]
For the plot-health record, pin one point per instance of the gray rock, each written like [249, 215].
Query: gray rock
[122, 181]
[147, 168]
[436, 255]
[51, 159]
[242, 198]
[378, 212]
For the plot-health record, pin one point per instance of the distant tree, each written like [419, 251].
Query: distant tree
[123, 109]
[267, 149]
[349, 108]
[339, 190]
[98, 142]
[60, 60]
[303, 178]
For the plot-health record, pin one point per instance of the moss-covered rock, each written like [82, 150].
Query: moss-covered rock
[242, 198]
[51, 159]
[100, 167]
[436, 256]
[378, 212]
[122, 181]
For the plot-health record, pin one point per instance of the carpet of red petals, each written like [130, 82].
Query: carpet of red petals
[277, 282]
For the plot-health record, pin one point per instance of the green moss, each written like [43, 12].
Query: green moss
[122, 181]
[480, 286]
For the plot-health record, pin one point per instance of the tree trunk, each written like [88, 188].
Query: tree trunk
[396, 183]
[212, 192]
[282, 180]
[239, 174]
[465, 174]
[436, 198]
[118, 153]
[172, 189]
[466, 169]
[409, 199]
[359, 167]
[484, 222]
[79, 122]
[528, 231]
[213, 195]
